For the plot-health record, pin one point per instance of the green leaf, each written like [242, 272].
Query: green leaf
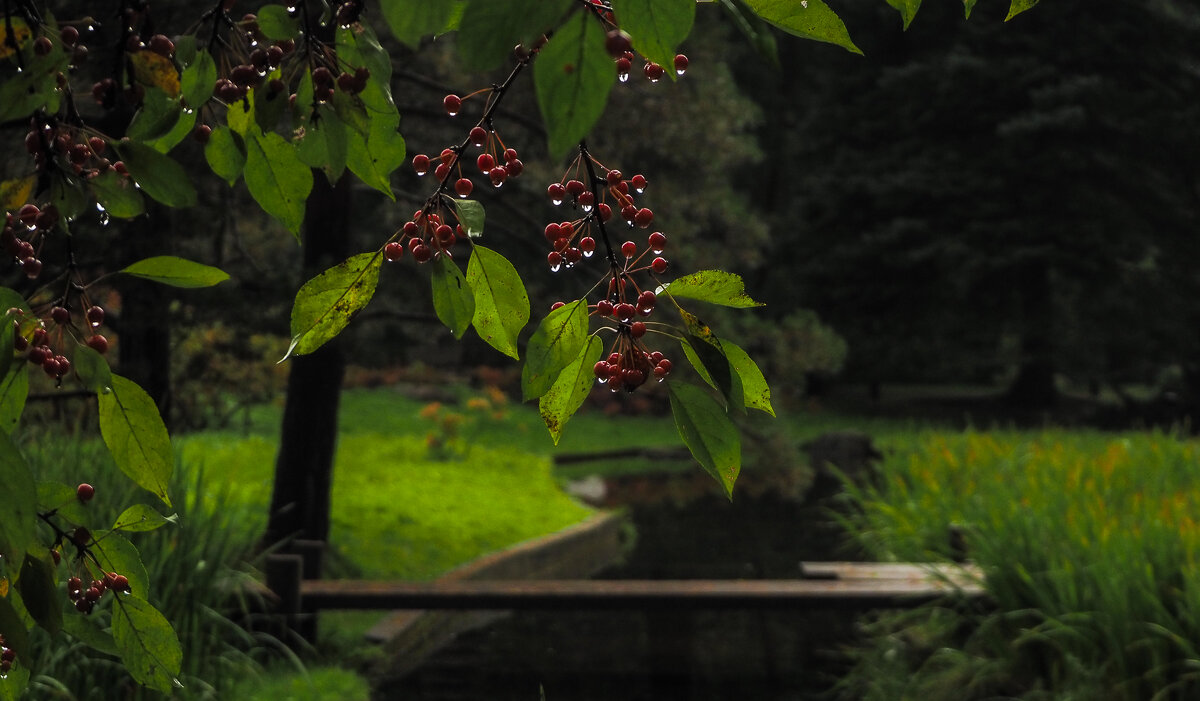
[452, 297]
[277, 179]
[269, 106]
[136, 436]
[701, 346]
[240, 115]
[275, 23]
[7, 340]
[14, 388]
[490, 28]
[908, 9]
[1017, 7]
[471, 216]
[147, 644]
[571, 388]
[501, 304]
[324, 144]
[157, 115]
[176, 272]
[160, 176]
[326, 304]
[68, 194]
[116, 554]
[707, 432]
[969, 5]
[39, 593]
[714, 286]
[12, 686]
[34, 87]
[63, 499]
[756, 31]
[358, 46]
[811, 19]
[182, 129]
[553, 346]
[412, 20]
[656, 27]
[84, 629]
[572, 77]
[197, 79]
[185, 50]
[225, 153]
[140, 517]
[18, 503]
[374, 159]
[14, 632]
[92, 369]
[756, 393]
[117, 195]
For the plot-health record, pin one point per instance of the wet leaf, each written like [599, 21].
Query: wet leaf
[14, 388]
[117, 554]
[907, 8]
[21, 35]
[176, 272]
[571, 388]
[151, 69]
[136, 436]
[412, 20]
[1016, 8]
[277, 179]
[325, 144]
[326, 304]
[707, 432]
[39, 593]
[140, 518]
[810, 19]
[84, 629]
[225, 153]
[471, 216]
[92, 369]
[453, 300]
[156, 117]
[147, 643]
[572, 77]
[18, 503]
[489, 30]
[275, 23]
[501, 304]
[63, 499]
[14, 632]
[755, 391]
[160, 176]
[117, 195]
[196, 83]
[656, 27]
[556, 342]
[14, 193]
[373, 160]
[34, 87]
[714, 286]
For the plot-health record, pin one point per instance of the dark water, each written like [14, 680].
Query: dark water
[664, 655]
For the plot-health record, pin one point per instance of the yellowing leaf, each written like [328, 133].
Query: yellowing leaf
[14, 193]
[20, 32]
[3, 586]
[150, 68]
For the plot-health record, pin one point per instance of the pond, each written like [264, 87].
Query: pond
[684, 529]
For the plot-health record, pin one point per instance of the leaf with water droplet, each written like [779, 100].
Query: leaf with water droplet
[453, 300]
[470, 216]
[707, 432]
[147, 643]
[571, 388]
[812, 19]
[656, 27]
[553, 346]
[713, 286]
[117, 195]
[327, 303]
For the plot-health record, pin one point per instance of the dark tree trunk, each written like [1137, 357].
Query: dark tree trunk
[1033, 387]
[144, 326]
[300, 500]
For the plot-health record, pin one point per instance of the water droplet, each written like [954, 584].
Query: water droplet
[602, 380]
[657, 251]
[679, 71]
[623, 77]
[588, 254]
[291, 9]
[556, 202]
[586, 208]
[639, 190]
[188, 110]
[654, 80]
[804, 4]
[556, 267]
[104, 219]
[463, 197]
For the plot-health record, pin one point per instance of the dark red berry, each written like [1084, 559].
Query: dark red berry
[201, 133]
[69, 36]
[613, 177]
[681, 64]
[43, 46]
[448, 156]
[657, 241]
[421, 163]
[637, 329]
[604, 211]
[557, 193]
[161, 45]
[629, 249]
[574, 187]
[485, 163]
[617, 43]
[441, 171]
[60, 315]
[653, 71]
[98, 343]
[393, 251]
[659, 265]
[452, 103]
[639, 182]
[95, 315]
[463, 187]
[478, 136]
[554, 259]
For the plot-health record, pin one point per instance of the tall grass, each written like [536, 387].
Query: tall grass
[1089, 544]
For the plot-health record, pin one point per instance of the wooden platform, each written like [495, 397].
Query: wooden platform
[827, 585]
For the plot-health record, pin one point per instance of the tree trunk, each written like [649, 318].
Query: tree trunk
[1033, 387]
[300, 500]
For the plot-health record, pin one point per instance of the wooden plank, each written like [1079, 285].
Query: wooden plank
[954, 572]
[586, 594]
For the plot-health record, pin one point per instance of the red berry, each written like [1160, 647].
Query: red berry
[574, 188]
[624, 311]
[604, 211]
[448, 156]
[80, 536]
[161, 45]
[32, 267]
[639, 182]
[553, 232]
[613, 177]
[629, 249]
[587, 244]
[515, 167]
[60, 315]
[498, 175]
[659, 265]
[74, 584]
[452, 103]
[624, 65]
[586, 200]
[120, 583]
[637, 329]
[510, 155]
[43, 46]
[201, 133]
[485, 163]
[628, 213]
[422, 253]
[84, 606]
[95, 315]
[420, 163]
[28, 214]
[604, 307]
[463, 187]
[643, 218]
[393, 251]
[653, 71]
[92, 595]
[98, 343]
[616, 42]
[478, 136]
[69, 36]
[441, 171]
[657, 241]
[646, 299]
[681, 64]
[557, 193]
[554, 259]
[600, 369]
[557, 305]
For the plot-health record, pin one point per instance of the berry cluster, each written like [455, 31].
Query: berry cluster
[7, 656]
[69, 148]
[85, 599]
[427, 234]
[621, 49]
[22, 236]
[33, 337]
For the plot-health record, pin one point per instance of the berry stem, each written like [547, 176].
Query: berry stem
[593, 182]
